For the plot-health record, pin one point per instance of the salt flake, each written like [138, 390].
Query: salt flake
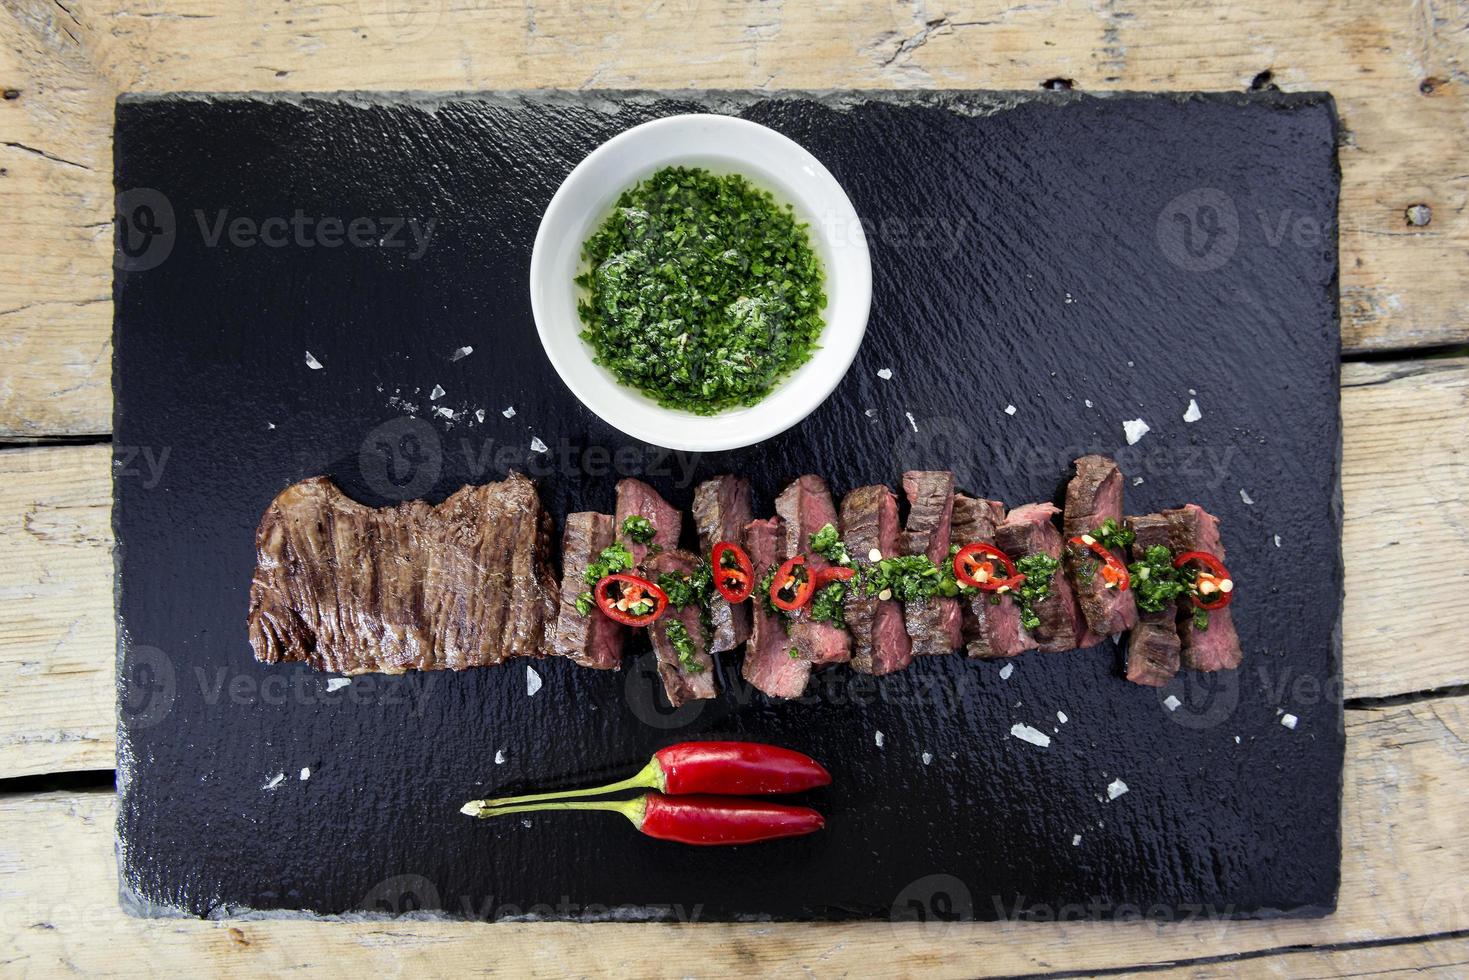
[1010, 409]
[1061, 717]
[537, 445]
[928, 758]
[312, 362]
[877, 737]
[1088, 402]
[1171, 703]
[337, 683]
[460, 353]
[870, 413]
[479, 415]
[436, 394]
[1115, 789]
[305, 774]
[1006, 671]
[275, 781]
[532, 681]
[911, 421]
[1289, 721]
[1032, 735]
[1192, 414]
[1277, 541]
[1244, 496]
[885, 374]
[508, 412]
[1135, 430]
[499, 757]
[1075, 840]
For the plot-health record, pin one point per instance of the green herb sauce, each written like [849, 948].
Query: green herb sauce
[701, 291]
[683, 645]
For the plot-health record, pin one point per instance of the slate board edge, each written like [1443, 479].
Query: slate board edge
[977, 102]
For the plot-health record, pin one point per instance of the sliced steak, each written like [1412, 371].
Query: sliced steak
[880, 643]
[721, 511]
[1153, 644]
[681, 682]
[1191, 528]
[991, 629]
[636, 497]
[935, 625]
[592, 640]
[1093, 496]
[1029, 530]
[352, 589]
[769, 666]
[806, 507]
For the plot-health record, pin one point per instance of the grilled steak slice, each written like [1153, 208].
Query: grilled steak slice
[721, 511]
[806, 507]
[592, 640]
[1028, 530]
[681, 682]
[769, 666]
[636, 497]
[352, 589]
[935, 625]
[991, 629]
[880, 643]
[1094, 495]
[1153, 645]
[1191, 528]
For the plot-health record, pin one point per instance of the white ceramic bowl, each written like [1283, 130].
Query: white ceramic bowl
[724, 145]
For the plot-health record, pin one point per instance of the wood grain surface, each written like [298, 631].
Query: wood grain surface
[1400, 74]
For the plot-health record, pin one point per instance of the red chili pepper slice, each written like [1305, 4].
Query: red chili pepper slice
[1113, 571]
[793, 585]
[1216, 576]
[737, 582]
[632, 592]
[834, 573]
[983, 566]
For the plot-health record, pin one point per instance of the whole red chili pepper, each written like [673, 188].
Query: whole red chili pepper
[1114, 573]
[728, 768]
[735, 582]
[795, 580]
[1214, 573]
[700, 820]
[632, 592]
[974, 560]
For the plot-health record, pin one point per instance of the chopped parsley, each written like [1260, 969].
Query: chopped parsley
[585, 603]
[1112, 535]
[683, 645]
[827, 607]
[1038, 570]
[1155, 582]
[701, 290]
[615, 558]
[829, 545]
[638, 529]
[909, 578]
[688, 590]
[793, 653]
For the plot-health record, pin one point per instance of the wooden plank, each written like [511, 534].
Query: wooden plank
[1404, 474]
[1397, 70]
[1426, 960]
[1403, 867]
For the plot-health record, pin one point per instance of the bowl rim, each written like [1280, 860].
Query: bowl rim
[855, 284]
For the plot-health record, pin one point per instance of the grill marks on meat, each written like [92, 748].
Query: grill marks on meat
[880, 643]
[679, 682]
[352, 589]
[935, 625]
[721, 511]
[991, 629]
[592, 640]
[1153, 644]
[636, 497]
[769, 666]
[1191, 528]
[1029, 530]
[1094, 495]
[806, 506]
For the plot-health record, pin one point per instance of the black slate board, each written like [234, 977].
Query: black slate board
[1087, 260]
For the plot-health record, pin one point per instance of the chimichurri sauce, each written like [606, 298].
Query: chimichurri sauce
[701, 290]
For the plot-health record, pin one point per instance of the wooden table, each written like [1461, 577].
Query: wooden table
[1400, 73]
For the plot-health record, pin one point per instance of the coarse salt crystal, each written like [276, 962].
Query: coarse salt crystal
[1244, 496]
[460, 353]
[1032, 735]
[870, 413]
[911, 421]
[928, 758]
[1277, 541]
[479, 415]
[1135, 430]
[1006, 671]
[275, 781]
[436, 394]
[312, 362]
[1075, 840]
[537, 446]
[877, 737]
[1010, 409]
[1171, 703]
[444, 411]
[508, 411]
[885, 374]
[1115, 789]
[305, 773]
[499, 757]
[1192, 414]
[1289, 721]
[532, 681]
[1088, 402]
[1137, 481]
[1061, 717]
[337, 683]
